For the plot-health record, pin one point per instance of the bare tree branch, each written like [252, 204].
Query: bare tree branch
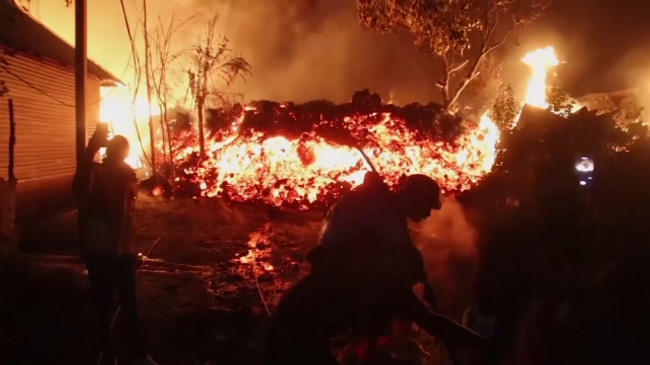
[450, 28]
[211, 60]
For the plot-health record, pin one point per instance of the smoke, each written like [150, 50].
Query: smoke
[447, 242]
[304, 50]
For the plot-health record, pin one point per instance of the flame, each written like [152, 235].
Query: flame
[121, 113]
[256, 253]
[539, 61]
[280, 169]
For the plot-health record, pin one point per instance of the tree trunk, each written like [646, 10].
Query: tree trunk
[147, 66]
[201, 132]
[169, 140]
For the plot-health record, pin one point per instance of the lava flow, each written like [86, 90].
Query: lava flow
[280, 169]
[263, 152]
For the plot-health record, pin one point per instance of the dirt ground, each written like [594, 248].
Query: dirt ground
[199, 299]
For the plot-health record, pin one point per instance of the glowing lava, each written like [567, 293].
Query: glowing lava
[278, 169]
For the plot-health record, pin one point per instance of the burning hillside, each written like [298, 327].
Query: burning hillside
[299, 155]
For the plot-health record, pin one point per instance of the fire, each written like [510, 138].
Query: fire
[257, 241]
[121, 113]
[539, 61]
[280, 169]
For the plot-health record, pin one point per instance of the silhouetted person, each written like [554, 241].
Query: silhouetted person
[106, 196]
[362, 275]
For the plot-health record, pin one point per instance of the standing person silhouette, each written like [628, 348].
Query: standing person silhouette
[106, 195]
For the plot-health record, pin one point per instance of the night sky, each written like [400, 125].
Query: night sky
[606, 42]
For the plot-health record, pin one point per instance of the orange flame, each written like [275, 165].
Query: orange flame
[283, 170]
[299, 169]
[128, 119]
[539, 61]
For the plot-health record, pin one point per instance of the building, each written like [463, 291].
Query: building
[38, 71]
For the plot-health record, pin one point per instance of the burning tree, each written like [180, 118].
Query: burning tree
[449, 29]
[210, 59]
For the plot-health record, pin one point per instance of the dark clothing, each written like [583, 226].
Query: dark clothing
[107, 273]
[362, 274]
[107, 193]
[364, 236]
[318, 307]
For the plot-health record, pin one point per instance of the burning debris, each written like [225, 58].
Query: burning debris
[297, 156]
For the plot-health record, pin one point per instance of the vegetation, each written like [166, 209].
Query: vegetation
[162, 74]
[460, 33]
[559, 101]
[556, 240]
[505, 108]
[212, 57]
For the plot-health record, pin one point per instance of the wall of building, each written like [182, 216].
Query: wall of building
[43, 96]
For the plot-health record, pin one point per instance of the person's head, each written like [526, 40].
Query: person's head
[418, 196]
[118, 149]
[372, 178]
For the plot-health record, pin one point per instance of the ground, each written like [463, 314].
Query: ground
[199, 299]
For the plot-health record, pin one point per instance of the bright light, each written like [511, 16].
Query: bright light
[585, 165]
[539, 62]
[118, 110]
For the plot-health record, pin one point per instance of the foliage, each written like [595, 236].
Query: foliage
[543, 235]
[559, 101]
[543, 147]
[505, 108]
[449, 29]
[211, 57]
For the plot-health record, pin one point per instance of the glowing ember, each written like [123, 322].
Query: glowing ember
[256, 252]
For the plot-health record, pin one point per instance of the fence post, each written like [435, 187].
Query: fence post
[8, 237]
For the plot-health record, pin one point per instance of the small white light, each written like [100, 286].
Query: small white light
[583, 183]
[585, 165]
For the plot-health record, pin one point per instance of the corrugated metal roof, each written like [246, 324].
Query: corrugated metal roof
[24, 34]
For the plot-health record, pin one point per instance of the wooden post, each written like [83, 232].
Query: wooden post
[80, 71]
[12, 141]
[8, 238]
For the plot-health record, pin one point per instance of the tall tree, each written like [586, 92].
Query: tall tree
[451, 28]
[213, 58]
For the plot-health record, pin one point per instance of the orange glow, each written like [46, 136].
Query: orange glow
[280, 169]
[539, 61]
[118, 110]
